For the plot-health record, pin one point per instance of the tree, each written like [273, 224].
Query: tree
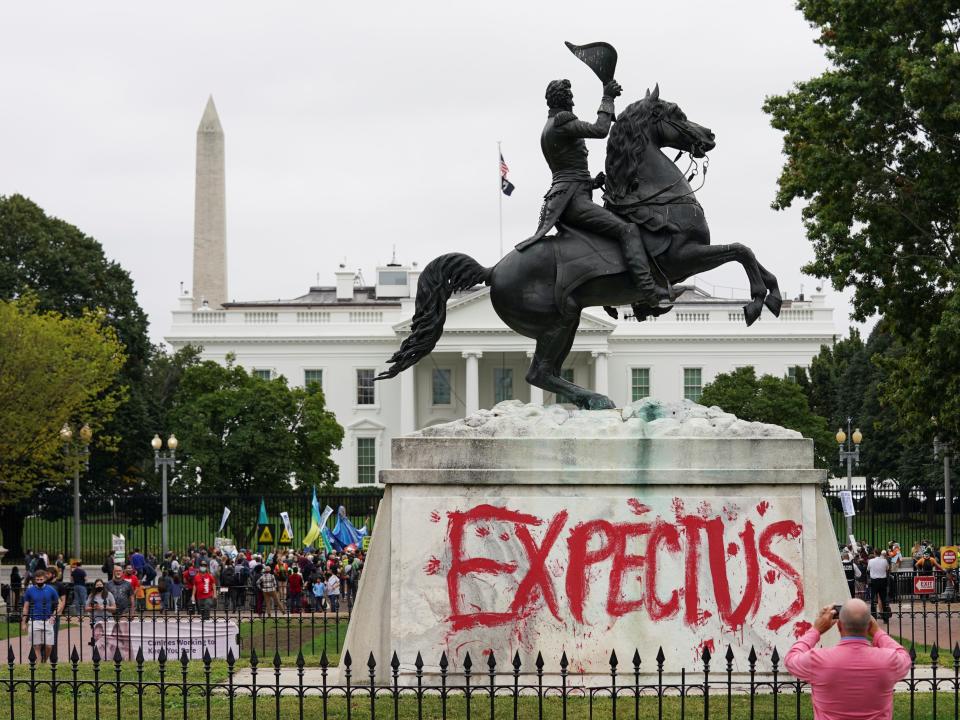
[241, 434]
[872, 146]
[67, 272]
[773, 400]
[53, 370]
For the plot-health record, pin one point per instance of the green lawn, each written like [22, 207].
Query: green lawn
[310, 635]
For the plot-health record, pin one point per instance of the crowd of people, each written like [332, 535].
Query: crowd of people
[199, 580]
[874, 573]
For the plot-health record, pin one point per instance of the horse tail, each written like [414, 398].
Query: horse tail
[439, 280]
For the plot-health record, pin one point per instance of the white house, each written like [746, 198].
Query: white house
[341, 336]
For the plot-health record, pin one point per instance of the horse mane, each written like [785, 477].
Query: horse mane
[627, 142]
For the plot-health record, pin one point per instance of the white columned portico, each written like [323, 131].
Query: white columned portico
[408, 401]
[601, 382]
[536, 394]
[473, 380]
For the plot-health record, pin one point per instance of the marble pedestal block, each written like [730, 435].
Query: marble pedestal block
[526, 530]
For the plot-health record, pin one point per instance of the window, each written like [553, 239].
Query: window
[263, 374]
[692, 384]
[366, 460]
[313, 376]
[793, 373]
[366, 395]
[565, 374]
[639, 383]
[393, 277]
[441, 386]
[502, 384]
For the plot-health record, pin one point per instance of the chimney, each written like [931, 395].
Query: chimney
[344, 284]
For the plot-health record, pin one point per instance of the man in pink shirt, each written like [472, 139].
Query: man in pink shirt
[855, 678]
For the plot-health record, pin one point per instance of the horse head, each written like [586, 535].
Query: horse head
[648, 121]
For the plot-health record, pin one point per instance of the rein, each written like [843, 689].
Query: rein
[692, 164]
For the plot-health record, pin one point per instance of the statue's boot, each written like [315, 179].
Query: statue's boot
[638, 265]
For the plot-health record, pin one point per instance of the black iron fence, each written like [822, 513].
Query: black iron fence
[191, 520]
[884, 514]
[647, 687]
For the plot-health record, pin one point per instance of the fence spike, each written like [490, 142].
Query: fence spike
[324, 661]
[661, 658]
[934, 654]
[118, 656]
[775, 657]
[613, 660]
[467, 662]
[705, 656]
[491, 661]
[32, 655]
[752, 657]
[74, 656]
[729, 655]
[276, 659]
[11, 657]
[956, 652]
[347, 660]
[230, 657]
[418, 663]
[140, 656]
[371, 661]
[564, 663]
[300, 660]
[162, 656]
[53, 656]
[913, 653]
[444, 663]
[254, 660]
[395, 661]
[539, 662]
[95, 656]
[516, 661]
[184, 658]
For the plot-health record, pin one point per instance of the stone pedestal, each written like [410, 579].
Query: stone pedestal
[526, 530]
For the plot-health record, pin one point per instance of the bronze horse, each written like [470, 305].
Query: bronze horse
[541, 291]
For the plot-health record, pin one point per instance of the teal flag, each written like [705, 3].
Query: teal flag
[263, 513]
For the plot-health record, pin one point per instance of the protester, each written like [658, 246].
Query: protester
[333, 590]
[205, 591]
[295, 590]
[878, 568]
[101, 605]
[40, 608]
[268, 585]
[137, 562]
[122, 592]
[176, 592]
[855, 678]
[78, 576]
[16, 585]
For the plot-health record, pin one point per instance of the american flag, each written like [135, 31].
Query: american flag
[505, 185]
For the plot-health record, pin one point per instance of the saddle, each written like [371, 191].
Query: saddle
[582, 256]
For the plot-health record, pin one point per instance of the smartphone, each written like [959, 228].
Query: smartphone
[836, 611]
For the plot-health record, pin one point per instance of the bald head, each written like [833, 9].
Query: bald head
[854, 618]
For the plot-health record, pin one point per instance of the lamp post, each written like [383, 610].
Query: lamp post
[163, 460]
[77, 454]
[850, 456]
[945, 449]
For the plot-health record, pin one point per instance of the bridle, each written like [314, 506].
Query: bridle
[695, 142]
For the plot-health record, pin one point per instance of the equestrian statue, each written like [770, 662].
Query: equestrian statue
[649, 234]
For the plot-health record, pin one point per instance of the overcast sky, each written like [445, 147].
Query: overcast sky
[354, 127]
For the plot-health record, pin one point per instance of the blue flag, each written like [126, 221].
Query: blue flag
[263, 513]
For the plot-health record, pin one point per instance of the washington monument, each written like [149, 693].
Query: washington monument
[210, 214]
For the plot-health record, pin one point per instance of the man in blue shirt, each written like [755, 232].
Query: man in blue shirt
[138, 561]
[41, 607]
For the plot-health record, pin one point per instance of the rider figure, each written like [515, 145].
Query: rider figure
[569, 200]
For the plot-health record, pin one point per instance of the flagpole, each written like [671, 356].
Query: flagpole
[500, 195]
